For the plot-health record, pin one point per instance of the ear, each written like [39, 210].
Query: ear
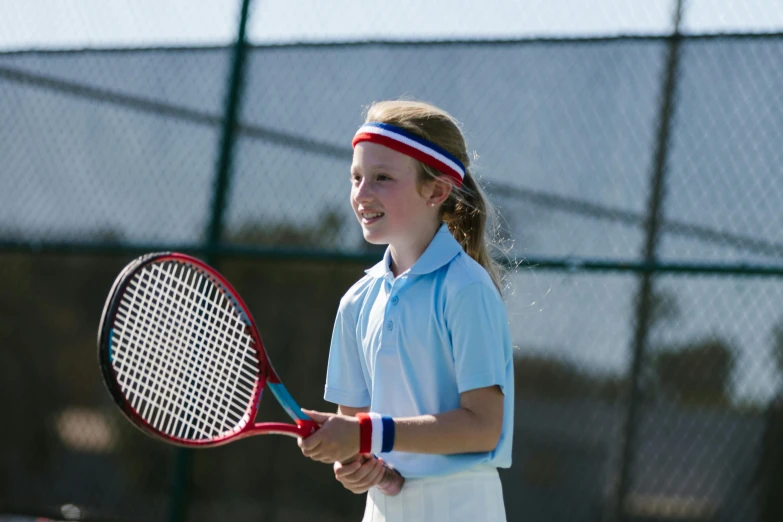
[439, 190]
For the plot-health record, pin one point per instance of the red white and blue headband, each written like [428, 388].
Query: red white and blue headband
[406, 142]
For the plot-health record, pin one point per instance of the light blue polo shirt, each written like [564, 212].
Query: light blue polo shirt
[409, 346]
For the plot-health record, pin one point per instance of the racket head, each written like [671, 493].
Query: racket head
[161, 312]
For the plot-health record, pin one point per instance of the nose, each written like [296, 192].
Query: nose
[362, 193]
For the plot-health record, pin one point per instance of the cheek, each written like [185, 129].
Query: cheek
[406, 210]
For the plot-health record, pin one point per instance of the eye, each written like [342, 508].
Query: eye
[355, 178]
[383, 177]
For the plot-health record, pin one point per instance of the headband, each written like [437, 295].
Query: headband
[411, 145]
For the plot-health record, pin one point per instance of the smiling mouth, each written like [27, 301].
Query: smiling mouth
[370, 217]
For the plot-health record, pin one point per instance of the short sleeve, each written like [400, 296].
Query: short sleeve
[345, 383]
[480, 337]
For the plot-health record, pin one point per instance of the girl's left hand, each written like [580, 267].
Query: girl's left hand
[337, 439]
[360, 474]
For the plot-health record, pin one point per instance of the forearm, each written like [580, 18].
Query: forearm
[473, 427]
[456, 431]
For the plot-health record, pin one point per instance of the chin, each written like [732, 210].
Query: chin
[373, 237]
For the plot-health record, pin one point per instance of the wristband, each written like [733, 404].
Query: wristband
[388, 434]
[365, 433]
[377, 433]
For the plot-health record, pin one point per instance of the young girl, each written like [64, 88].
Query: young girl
[420, 363]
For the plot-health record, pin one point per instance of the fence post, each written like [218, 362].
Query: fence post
[233, 99]
[770, 468]
[645, 296]
[183, 461]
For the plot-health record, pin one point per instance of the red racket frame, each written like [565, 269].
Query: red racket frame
[303, 426]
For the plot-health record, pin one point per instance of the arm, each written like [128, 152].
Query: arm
[473, 427]
[351, 412]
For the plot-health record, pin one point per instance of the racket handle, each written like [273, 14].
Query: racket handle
[306, 427]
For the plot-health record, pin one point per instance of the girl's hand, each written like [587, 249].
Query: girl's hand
[337, 439]
[359, 473]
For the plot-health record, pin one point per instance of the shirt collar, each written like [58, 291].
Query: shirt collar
[442, 249]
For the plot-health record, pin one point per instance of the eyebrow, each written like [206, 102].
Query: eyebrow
[375, 166]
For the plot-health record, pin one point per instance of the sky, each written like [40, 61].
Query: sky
[54, 24]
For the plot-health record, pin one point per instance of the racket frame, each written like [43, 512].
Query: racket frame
[303, 427]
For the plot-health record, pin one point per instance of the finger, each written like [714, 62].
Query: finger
[318, 416]
[341, 468]
[313, 453]
[371, 479]
[346, 470]
[326, 459]
[374, 476]
[321, 454]
[311, 442]
[358, 477]
[356, 457]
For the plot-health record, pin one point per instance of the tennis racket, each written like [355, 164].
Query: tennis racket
[181, 356]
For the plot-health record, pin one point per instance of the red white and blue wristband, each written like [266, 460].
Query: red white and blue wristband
[376, 433]
[406, 142]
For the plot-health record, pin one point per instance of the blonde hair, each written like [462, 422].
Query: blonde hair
[467, 213]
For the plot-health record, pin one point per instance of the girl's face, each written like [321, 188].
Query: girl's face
[385, 196]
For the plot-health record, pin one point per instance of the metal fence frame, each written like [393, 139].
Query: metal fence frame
[213, 249]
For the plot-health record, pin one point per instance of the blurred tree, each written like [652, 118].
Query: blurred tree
[695, 374]
[551, 378]
[664, 309]
[323, 234]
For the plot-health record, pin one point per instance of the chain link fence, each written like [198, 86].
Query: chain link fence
[635, 163]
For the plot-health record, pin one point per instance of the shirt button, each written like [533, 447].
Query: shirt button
[395, 300]
[389, 325]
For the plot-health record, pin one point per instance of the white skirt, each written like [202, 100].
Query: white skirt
[469, 496]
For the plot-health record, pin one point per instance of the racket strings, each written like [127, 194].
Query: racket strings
[144, 379]
[182, 354]
[208, 361]
[202, 424]
[205, 396]
[157, 381]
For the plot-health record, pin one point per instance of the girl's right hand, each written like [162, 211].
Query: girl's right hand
[359, 473]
